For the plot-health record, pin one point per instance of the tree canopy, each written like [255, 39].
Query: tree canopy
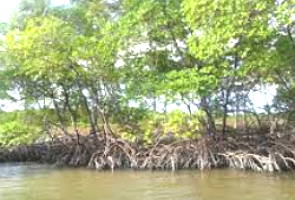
[115, 61]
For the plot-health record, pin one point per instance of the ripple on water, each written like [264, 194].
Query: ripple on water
[30, 181]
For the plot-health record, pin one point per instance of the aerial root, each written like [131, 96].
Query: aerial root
[205, 153]
[271, 163]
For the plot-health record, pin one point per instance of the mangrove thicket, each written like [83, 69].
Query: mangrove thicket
[150, 84]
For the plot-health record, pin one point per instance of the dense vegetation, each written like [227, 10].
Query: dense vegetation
[117, 68]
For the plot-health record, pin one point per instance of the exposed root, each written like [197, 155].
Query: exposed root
[93, 152]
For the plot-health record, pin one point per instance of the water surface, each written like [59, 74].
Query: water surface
[39, 182]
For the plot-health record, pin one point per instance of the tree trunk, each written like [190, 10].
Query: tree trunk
[210, 126]
[59, 115]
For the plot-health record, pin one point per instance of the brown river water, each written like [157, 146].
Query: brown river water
[41, 182]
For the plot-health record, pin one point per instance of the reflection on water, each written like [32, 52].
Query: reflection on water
[31, 181]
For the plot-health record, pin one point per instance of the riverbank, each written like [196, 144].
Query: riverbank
[249, 152]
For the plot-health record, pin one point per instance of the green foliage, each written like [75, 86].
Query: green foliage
[15, 131]
[202, 52]
[216, 23]
[183, 125]
[156, 125]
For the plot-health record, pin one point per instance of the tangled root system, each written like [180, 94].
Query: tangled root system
[259, 153]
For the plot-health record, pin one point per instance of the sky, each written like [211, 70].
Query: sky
[259, 98]
[7, 8]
